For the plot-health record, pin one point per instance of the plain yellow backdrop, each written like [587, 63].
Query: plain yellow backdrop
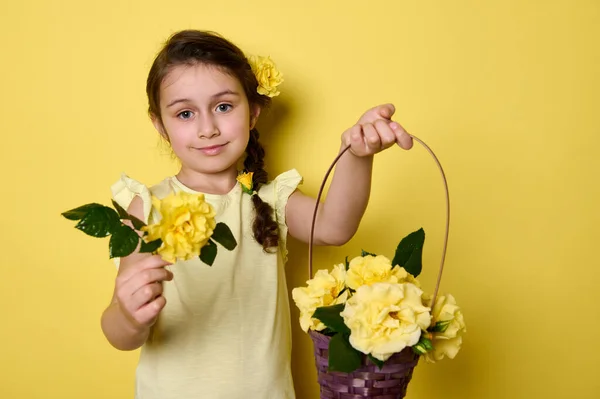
[505, 92]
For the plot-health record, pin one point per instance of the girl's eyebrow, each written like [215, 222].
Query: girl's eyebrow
[217, 95]
[225, 92]
[179, 100]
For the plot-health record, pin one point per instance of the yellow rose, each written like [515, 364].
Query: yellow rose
[446, 343]
[404, 277]
[366, 270]
[245, 179]
[187, 222]
[385, 318]
[267, 75]
[322, 290]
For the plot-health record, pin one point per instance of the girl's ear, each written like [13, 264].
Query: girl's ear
[159, 127]
[254, 113]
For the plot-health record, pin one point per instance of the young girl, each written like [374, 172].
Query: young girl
[223, 331]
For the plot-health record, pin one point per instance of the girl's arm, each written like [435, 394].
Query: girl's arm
[339, 215]
[137, 298]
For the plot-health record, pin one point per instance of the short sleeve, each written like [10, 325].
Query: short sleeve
[124, 191]
[283, 186]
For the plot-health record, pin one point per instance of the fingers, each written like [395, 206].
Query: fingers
[145, 294]
[148, 277]
[148, 313]
[371, 138]
[141, 302]
[386, 111]
[385, 132]
[378, 136]
[353, 136]
[144, 262]
[383, 111]
[403, 139]
[138, 288]
[128, 288]
[375, 132]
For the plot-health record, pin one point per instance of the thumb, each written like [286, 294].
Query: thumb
[386, 111]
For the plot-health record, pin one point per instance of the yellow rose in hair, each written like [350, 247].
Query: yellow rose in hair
[187, 222]
[447, 343]
[322, 290]
[366, 270]
[385, 318]
[245, 179]
[267, 75]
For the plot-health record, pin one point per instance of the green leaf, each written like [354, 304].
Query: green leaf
[330, 316]
[208, 253]
[123, 241]
[365, 253]
[419, 350]
[99, 221]
[427, 343]
[150, 246]
[80, 212]
[410, 251]
[120, 210]
[440, 326]
[347, 264]
[246, 189]
[423, 346]
[342, 291]
[377, 362]
[223, 236]
[123, 214]
[137, 223]
[342, 356]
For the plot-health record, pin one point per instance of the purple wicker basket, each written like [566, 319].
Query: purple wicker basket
[367, 381]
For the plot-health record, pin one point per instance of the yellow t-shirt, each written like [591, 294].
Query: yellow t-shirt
[225, 330]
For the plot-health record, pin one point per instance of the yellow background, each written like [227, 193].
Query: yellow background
[505, 92]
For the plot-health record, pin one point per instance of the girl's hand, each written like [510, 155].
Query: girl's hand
[137, 297]
[375, 132]
[138, 288]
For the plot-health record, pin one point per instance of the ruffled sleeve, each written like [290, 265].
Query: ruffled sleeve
[125, 190]
[285, 184]
[277, 193]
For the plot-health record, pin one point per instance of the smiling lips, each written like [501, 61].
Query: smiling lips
[211, 150]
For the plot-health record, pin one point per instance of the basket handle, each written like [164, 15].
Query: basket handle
[314, 219]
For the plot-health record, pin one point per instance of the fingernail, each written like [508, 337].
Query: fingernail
[394, 126]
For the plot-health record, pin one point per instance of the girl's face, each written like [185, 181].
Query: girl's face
[206, 118]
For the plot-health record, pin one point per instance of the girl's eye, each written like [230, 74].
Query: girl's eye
[185, 115]
[223, 107]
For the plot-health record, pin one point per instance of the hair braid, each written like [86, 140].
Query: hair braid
[265, 228]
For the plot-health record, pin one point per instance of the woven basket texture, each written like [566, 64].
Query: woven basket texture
[368, 381]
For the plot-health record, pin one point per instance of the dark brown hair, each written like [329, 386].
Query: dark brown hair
[192, 47]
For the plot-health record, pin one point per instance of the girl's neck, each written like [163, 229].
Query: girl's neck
[210, 183]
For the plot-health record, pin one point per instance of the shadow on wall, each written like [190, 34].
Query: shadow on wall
[271, 119]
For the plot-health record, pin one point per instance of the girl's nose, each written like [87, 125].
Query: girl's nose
[207, 129]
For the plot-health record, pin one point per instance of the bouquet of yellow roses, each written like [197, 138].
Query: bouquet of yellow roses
[186, 229]
[369, 319]
[368, 316]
